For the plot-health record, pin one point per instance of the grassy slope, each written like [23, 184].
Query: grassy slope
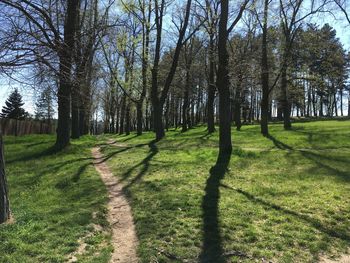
[285, 198]
[53, 197]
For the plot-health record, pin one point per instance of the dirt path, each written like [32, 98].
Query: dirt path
[343, 259]
[124, 239]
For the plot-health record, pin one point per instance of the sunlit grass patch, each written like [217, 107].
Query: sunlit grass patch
[282, 198]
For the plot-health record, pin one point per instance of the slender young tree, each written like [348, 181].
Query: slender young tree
[158, 97]
[44, 106]
[4, 198]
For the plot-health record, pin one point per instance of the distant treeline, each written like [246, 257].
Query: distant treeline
[25, 127]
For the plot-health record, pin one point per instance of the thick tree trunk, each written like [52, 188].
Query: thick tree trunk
[158, 121]
[139, 117]
[265, 77]
[223, 85]
[122, 115]
[211, 88]
[4, 199]
[65, 84]
[75, 113]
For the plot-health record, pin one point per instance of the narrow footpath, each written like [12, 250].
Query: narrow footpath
[124, 239]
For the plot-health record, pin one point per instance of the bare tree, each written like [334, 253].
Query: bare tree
[4, 199]
[223, 81]
[158, 97]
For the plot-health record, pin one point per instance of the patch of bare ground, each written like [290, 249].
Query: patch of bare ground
[73, 257]
[124, 239]
[114, 143]
[342, 259]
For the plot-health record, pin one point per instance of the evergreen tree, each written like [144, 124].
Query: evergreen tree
[44, 109]
[13, 108]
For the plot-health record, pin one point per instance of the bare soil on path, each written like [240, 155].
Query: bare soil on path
[124, 239]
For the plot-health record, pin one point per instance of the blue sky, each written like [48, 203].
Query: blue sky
[341, 26]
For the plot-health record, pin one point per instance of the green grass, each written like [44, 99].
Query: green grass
[284, 198]
[53, 198]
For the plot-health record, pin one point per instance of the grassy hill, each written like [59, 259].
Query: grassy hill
[55, 199]
[284, 198]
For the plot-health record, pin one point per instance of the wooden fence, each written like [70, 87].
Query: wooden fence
[25, 127]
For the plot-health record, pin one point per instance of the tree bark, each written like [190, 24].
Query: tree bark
[4, 199]
[75, 113]
[285, 99]
[265, 77]
[127, 119]
[186, 102]
[65, 84]
[158, 101]
[122, 115]
[211, 88]
[222, 83]
[237, 108]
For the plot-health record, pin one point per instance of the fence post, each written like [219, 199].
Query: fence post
[4, 201]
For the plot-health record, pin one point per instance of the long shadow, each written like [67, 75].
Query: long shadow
[36, 144]
[109, 156]
[130, 138]
[47, 152]
[212, 250]
[279, 144]
[337, 233]
[145, 165]
[315, 157]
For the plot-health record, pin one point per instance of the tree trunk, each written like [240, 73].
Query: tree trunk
[122, 115]
[341, 103]
[158, 101]
[211, 88]
[139, 117]
[237, 108]
[265, 77]
[127, 119]
[223, 85]
[285, 100]
[65, 85]
[75, 113]
[335, 104]
[321, 106]
[158, 121]
[4, 199]
[185, 105]
[349, 105]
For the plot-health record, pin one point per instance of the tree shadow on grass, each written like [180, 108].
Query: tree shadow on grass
[326, 229]
[112, 154]
[32, 156]
[145, 163]
[212, 250]
[279, 144]
[318, 159]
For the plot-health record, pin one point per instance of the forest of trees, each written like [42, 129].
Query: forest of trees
[151, 65]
